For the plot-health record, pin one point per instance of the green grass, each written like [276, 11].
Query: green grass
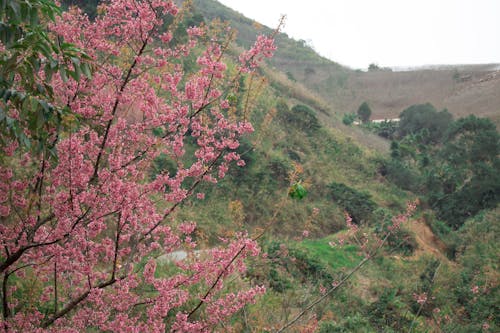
[336, 257]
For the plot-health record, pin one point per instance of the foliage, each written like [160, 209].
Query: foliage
[401, 174]
[387, 311]
[364, 112]
[348, 118]
[424, 121]
[399, 241]
[79, 234]
[302, 118]
[386, 129]
[454, 164]
[88, 6]
[357, 204]
[373, 67]
[473, 291]
[355, 323]
[469, 171]
[297, 191]
[29, 58]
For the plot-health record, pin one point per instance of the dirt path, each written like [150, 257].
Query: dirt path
[428, 243]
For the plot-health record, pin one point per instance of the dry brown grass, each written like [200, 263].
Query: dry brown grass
[388, 93]
[466, 90]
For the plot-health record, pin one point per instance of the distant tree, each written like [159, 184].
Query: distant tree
[364, 112]
[424, 121]
[373, 67]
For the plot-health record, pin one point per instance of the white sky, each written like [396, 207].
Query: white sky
[387, 32]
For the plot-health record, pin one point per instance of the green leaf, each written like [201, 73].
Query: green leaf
[62, 71]
[14, 6]
[86, 70]
[34, 17]
[297, 191]
[46, 107]
[75, 61]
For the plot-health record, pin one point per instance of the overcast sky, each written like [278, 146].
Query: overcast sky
[387, 32]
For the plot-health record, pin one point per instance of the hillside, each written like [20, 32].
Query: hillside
[352, 229]
[462, 89]
[425, 258]
[472, 90]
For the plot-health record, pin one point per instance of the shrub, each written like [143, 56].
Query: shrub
[400, 240]
[356, 323]
[357, 204]
[348, 118]
[402, 175]
[301, 117]
[386, 129]
[386, 312]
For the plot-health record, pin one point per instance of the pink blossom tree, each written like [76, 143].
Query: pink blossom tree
[78, 232]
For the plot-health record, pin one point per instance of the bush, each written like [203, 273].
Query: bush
[277, 281]
[301, 117]
[357, 204]
[349, 118]
[399, 241]
[402, 175]
[386, 129]
[278, 169]
[386, 312]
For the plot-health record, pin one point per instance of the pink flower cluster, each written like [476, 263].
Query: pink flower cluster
[420, 298]
[84, 225]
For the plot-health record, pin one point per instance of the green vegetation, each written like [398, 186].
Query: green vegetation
[27, 50]
[335, 257]
[301, 117]
[364, 112]
[88, 6]
[453, 165]
[349, 118]
[357, 204]
[424, 122]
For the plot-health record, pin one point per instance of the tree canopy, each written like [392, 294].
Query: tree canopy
[364, 112]
[425, 122]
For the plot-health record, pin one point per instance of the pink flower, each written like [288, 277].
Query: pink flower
[420, 298]
[97, 211]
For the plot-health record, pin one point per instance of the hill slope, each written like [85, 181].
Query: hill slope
[463, 90]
